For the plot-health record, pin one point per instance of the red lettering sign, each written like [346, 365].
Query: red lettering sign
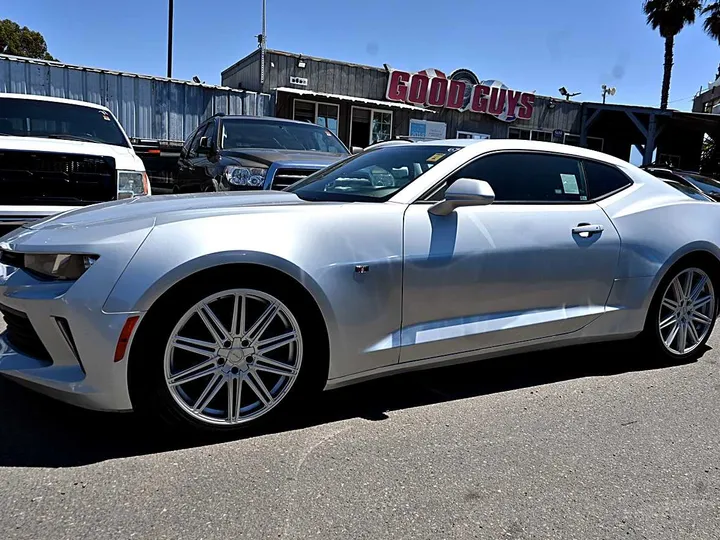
[433, 89]
[397, 86]
[437, 96]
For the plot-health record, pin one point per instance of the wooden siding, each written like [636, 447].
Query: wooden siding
[340, 78]
[245, 74]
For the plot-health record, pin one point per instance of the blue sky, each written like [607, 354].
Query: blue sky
[529, 45]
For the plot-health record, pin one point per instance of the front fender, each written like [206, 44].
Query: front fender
[129, 296]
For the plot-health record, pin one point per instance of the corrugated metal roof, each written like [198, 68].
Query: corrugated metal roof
[354, 99]
[112, 72]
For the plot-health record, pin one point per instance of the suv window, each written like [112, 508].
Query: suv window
[199, 134]
[526, 177]
[603, 179]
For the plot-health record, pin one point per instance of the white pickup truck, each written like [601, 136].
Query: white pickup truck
[58, 154]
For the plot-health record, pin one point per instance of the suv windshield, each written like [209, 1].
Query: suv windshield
[373, 175]
[240, 133]
[48, 119]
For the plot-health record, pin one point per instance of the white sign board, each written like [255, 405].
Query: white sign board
[300, 81]
[427, 129]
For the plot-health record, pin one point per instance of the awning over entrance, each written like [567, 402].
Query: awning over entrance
[353, 99]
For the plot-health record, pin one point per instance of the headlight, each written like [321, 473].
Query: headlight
[245, 176]
[58, 266]
[132, 184]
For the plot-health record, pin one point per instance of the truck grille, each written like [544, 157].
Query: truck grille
[22, 336]
[55, 178]
[287, 177]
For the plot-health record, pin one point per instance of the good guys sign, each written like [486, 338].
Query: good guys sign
[433, 89]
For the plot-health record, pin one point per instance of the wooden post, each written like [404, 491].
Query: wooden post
[584, 127]
[650, 142]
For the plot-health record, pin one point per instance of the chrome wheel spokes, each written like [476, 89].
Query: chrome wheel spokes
[687, 310]
[233, 356]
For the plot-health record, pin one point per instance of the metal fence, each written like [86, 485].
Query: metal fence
[154, 108]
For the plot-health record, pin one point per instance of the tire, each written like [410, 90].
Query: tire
[184, 365]
[680, 321]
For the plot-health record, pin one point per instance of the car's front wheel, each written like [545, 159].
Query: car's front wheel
[683, 313]
[222, 358]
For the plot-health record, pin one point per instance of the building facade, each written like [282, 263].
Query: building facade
[366, 104]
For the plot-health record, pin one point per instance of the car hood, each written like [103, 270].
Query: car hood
[40, 144]
[268, 157]
[165, 208]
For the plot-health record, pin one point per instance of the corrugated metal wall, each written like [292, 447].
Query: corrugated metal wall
[147, 107]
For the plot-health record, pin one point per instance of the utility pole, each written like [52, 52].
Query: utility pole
[262, 42]
[170, 37]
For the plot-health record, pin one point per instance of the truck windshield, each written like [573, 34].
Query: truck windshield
[239, 133]
[373, 175]
[49, 119]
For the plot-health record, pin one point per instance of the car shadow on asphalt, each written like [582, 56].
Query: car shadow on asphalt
[36, 431]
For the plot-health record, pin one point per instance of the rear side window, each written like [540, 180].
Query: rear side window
[603, 180]
[527, 177]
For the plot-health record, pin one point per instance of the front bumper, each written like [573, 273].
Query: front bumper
[35, 348]
[79, 339]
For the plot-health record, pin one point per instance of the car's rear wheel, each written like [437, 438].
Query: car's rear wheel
[224, 358]
[683, 313]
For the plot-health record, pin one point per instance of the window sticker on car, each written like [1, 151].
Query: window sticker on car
[570, 184]
[435, 157]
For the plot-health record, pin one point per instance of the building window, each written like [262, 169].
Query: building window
[530, 134]
[381, 126]
[594, 143]
[471, 135]
[515, 133]
[368, 126]
[322, 114]
[668, 160]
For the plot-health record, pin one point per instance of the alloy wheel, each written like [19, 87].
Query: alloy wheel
[233, 356]
[687, 311]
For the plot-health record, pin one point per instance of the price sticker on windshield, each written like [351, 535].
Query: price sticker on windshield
[435, 157]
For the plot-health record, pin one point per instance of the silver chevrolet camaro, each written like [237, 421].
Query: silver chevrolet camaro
[220, 311]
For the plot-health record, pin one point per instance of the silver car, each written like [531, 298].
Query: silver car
[220, 311]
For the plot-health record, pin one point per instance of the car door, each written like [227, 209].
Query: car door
[539, 261]
[183, 169]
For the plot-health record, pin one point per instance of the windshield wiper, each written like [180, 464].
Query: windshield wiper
[69, 137]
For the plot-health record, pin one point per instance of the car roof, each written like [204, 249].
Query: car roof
[51, 99]
[264, 119]
[491, 145]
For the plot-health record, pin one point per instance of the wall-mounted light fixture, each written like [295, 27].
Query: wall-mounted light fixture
[301, 63]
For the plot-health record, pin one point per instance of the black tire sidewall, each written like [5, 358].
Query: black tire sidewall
[148, 389]
[651, 333]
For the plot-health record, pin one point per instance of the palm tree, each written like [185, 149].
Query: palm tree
[712, 21]
[670, 17]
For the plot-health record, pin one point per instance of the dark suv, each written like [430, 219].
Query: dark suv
[709, 186]
[253, 152]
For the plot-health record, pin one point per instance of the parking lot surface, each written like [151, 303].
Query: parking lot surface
[588, 442]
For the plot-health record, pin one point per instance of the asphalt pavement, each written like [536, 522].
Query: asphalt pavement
[588, 442]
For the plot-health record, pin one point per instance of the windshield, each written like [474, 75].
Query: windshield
[240, 133]
[48, 119]
[707, 184]
[373, 175]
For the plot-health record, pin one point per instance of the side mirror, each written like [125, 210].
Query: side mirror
[356, 149]
[464, 192]
[204, 146]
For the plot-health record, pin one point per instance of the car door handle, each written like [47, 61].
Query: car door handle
[586, 230]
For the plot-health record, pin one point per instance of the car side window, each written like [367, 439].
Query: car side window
[526, 177]
[196, 141]
[210, 133]
[602, 180]
[186, 146]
